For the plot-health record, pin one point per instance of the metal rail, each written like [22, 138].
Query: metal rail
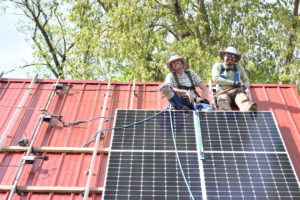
[212, 98]
[18, 110]
[70, 150]
[132, 95]
[88, 184]
[48, 189]
[30, 148]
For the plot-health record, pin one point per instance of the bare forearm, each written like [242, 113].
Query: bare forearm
[204, 90]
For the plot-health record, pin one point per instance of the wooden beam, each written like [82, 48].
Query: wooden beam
[49, 189]
[73, 150]
[5, 187]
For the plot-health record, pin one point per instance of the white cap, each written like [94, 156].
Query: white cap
[231, 50]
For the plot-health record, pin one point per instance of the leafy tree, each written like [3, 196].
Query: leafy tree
[97, 39]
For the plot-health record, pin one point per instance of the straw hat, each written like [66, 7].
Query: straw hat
[231, 50]
[176, 57]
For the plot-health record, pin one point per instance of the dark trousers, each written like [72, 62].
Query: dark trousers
[178, 102]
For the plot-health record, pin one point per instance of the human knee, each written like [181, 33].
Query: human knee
[241, 97]
[223, 98]
[224, 102]
[166, 90]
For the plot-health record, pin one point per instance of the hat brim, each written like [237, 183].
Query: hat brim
[183, 62]
[222, 53]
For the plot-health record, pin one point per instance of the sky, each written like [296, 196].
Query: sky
[15, 51]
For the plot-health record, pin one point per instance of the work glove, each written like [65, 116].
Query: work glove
[204, 101]
[236, 84]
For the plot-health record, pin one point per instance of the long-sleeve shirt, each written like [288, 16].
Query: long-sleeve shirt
[228, 82]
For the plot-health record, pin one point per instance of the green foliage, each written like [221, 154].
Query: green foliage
[96, 39]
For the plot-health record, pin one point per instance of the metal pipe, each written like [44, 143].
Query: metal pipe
[88, 184]
[212, 98]
[18, 110]
[30, 148]
[132, 95]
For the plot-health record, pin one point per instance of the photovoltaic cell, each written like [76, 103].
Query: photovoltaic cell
[143, 163]
[245, 157]
[240, 131]
[154, 134]
[249, 176]
[151, 175]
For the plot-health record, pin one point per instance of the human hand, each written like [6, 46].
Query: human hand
[236, 84]
[190, 96]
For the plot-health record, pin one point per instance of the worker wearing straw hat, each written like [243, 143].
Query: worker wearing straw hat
[228, 76]
[180, 85]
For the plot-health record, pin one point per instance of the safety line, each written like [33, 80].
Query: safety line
[177, 155]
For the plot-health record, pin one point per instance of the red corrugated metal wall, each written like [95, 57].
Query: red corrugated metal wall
[67, 170]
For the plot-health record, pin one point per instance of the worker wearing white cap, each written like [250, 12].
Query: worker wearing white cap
[180, 85]
[228, 75]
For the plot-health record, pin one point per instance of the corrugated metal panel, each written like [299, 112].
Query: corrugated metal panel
[284, 101]
[84, 100]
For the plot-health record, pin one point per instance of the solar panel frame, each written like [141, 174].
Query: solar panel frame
[187, 149]
[250, 171]
[233, 171]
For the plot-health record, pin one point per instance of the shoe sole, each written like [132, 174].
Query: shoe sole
[253, 107]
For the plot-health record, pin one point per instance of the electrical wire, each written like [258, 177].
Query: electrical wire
[177, 155]
[121, 127]
[142, 121]
[67, 124]
[88, 90]
[59, 118]
[22, 107]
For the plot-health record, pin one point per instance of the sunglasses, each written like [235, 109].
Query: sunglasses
[230, 55]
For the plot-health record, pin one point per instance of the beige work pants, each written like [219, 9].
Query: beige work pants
[236, 95]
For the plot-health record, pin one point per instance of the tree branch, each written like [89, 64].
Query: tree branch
[47, 39]
[204, 17]
[178, 13]
[293, 36]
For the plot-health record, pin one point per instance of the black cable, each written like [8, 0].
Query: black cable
[67, 124]
[121, 127]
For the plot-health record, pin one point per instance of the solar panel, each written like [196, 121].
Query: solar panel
[245, 157]
[143, 162]
[240, 131]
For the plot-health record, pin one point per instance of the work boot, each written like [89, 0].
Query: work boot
[187, 111]
[253, 107]
[185, 108]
